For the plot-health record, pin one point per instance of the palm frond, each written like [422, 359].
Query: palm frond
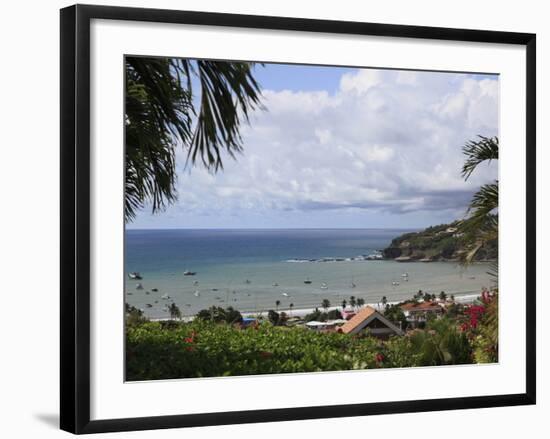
[161, 114]
[478, 151]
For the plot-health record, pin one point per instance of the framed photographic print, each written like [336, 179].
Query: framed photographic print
[260, 214]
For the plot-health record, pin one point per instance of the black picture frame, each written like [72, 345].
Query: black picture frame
[75, 217]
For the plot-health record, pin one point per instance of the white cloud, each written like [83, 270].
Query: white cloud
[386, 142]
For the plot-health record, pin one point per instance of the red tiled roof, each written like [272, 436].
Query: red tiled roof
[422, 306]
[357, 319]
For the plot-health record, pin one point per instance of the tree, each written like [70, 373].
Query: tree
[325, 304]
[334, 314]
[277, 303]
[442, 296]
[344, 303]
[175, 312]
[352, 301]
[162, 111]
[273, 317]
[481, 224]
[291, 306]
[232, 315]
[384, 300]
[360, 301]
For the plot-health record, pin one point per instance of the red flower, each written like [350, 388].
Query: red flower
[190, 339]
[464, 327]
[379, 358]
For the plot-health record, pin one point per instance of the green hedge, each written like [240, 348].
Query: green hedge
[157, 350]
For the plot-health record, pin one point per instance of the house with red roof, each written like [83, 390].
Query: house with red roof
[420, 312]
[368, 320]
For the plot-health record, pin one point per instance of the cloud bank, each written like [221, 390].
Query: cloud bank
[387, 144]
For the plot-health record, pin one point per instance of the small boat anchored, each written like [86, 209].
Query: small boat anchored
[324, 286]
[189, 273]
[139, 286]
[307, 281]
[135, 275]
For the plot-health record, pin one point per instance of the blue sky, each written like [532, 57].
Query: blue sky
[344, 148]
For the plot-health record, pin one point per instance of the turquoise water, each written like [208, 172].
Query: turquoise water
[252, 269]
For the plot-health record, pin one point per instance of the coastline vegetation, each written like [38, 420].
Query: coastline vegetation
[208, 347]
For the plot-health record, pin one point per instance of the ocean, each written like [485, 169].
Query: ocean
[253, 269]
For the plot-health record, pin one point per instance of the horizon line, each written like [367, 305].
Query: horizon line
[273, 228]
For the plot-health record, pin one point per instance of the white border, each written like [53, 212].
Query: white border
[112, 398]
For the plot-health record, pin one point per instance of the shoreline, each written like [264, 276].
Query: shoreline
[302, 312]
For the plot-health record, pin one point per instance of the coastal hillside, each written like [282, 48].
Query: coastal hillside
[437, 243]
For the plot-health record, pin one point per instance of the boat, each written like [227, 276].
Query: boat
[135, 275]
[147, 292]
[154, 290]
[196, 282]
[395, 283]
[189, 273]
[352, 285]
[196, 293]
[324, 286]
[247, 281]
[275, 284]
[285, 294]
[307, 281]
[139, 287]
[148, 305]
[165, 297]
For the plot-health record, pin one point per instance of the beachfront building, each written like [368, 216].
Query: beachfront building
[370, 321]
[419, 312]
[328, 326]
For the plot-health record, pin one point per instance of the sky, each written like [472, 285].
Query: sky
[344, 148]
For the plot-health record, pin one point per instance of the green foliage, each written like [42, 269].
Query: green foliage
[203, 348]
[334, 314]
[273, 317]
[441, 343]
[175, 312]
[480, 227]
[317, 316]
[134, 316]
[217, 314]
[395, 314]
[485, 341]
[162, 111]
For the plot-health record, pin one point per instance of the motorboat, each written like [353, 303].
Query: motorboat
[165, 297]
[307, 281]
[285, 294]
[275, 284]
[189, 273]
[324, 286]
[135, 275]
[139, 286]
[196, 282]
[197, 293]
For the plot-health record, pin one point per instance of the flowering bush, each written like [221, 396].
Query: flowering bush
[201, 349]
